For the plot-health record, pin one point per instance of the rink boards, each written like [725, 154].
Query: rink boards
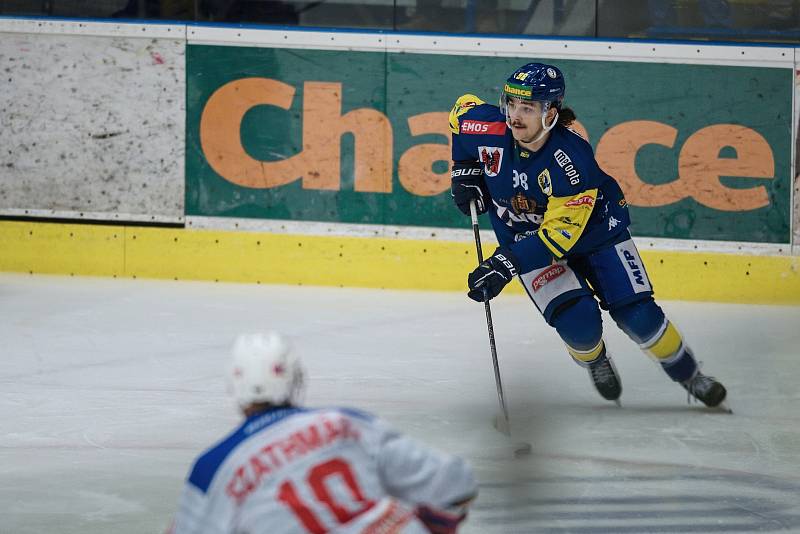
[372, 262]
[320, 158]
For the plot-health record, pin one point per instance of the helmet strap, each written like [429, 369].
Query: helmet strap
[545, 127]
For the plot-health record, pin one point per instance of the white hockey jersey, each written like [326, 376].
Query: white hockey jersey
[297, 470]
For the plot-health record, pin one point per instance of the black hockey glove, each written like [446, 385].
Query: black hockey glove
[438, 521]
[491, 276]
[467, 185]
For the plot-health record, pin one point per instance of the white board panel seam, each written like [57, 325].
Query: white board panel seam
[766, 56]
[93, 28]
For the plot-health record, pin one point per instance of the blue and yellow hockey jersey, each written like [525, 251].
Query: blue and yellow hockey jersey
[552, 203]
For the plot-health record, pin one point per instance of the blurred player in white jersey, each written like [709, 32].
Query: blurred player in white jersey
[288, 469]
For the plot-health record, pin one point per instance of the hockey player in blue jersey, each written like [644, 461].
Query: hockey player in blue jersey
[562, 225]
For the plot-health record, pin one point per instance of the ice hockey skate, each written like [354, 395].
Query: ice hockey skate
[707, 390]
[605, 378]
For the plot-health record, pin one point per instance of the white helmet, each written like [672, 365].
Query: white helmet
[265, 370]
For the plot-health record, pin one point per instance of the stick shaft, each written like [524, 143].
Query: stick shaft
[492, 345]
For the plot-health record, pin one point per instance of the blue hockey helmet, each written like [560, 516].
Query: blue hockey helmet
[536, 81]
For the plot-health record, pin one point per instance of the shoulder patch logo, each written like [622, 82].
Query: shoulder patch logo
[492, 159]
[544, 182]
[462, 105]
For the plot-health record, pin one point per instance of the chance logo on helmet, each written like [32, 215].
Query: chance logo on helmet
[535, 81]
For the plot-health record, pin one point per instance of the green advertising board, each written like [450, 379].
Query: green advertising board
[702, 151]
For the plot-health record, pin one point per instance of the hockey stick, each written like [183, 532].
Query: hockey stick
[503, 425]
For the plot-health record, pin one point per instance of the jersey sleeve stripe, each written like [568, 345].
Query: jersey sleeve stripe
[557, 251]
[209, 463]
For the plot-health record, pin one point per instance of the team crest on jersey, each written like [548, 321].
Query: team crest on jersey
[522, 204]
[492, 158]
[544, 182]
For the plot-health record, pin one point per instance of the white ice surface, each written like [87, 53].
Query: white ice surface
[109, 389]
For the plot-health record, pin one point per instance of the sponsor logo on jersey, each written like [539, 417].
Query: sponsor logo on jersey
[633, 265]
[551, 72]
[492, 158]
[507, 215]
[565, 233]
[544, 182]
[567, 220]
[623, 203]
[585, 200]
[524, 235]
[522, 204]
[482, 127]
[565, 162]
[524, 154]
[547, 276]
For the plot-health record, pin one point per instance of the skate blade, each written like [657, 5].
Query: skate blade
[618, 403]
[724, 407]
[500, 424]
[523, 448]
